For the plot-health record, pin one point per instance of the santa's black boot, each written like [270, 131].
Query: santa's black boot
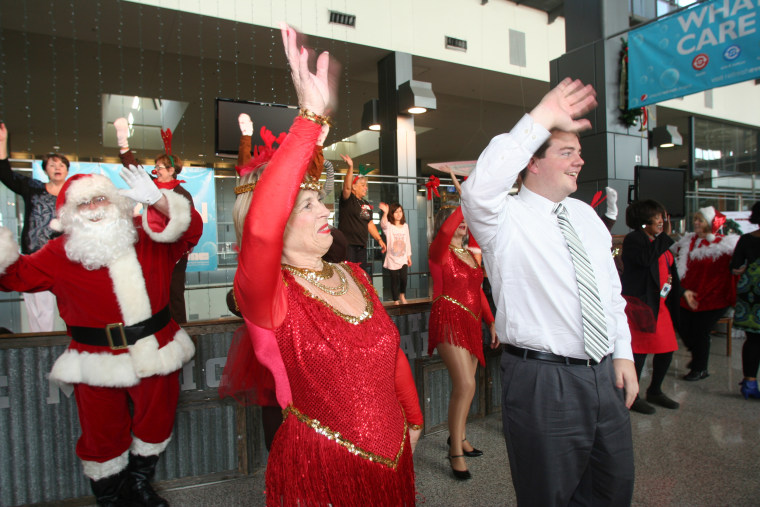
[112, 491]
[141, 470]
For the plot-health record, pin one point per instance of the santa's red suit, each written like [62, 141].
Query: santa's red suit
[105, 377]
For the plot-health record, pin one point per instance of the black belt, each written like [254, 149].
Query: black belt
[124, 335]
[548, 356]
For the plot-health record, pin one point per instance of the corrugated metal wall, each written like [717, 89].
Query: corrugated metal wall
[39, 426]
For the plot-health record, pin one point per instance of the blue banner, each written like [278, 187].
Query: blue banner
[710, 44]
[199, 181]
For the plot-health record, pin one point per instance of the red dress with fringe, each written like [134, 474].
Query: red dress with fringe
[458, 299]
[344, 438]
[341, 381]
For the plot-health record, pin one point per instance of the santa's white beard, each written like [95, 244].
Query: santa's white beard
[98, 244]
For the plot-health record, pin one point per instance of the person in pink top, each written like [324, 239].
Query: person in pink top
[398, 256]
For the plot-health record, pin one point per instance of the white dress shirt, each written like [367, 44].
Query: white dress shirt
[526, 256]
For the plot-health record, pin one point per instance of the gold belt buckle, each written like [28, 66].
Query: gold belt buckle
[120, 327]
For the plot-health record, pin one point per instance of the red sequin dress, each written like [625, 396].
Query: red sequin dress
[342, 381]
[458, 299]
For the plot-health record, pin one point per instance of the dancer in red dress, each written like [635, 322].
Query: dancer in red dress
[458, 306]
[351, 414]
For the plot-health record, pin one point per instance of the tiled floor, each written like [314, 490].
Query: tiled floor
[705, 453]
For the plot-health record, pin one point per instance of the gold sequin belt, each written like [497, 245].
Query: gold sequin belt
[460, 305]
[340, 440]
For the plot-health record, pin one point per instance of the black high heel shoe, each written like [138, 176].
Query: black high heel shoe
[460, 475]
[474, 453]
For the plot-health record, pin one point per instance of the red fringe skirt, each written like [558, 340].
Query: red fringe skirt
[306, 468]
[451, 324]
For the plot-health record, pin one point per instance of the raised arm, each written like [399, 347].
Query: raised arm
[348, 181]
[258, 281]
[440, 246]
[14, 181]
[485, 191]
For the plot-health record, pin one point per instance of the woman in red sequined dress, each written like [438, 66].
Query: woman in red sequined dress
[351, 414]
[458, 306]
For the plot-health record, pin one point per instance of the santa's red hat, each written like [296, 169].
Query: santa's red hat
[715, 218]
[78, 189]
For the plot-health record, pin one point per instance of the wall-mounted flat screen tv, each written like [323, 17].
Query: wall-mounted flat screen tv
[275, 117]
[664, 185]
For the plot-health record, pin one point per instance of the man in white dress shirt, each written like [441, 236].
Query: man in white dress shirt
[565, 414]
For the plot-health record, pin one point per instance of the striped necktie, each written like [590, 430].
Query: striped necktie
[595, 339]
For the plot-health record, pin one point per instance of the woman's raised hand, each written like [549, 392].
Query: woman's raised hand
[316, 91]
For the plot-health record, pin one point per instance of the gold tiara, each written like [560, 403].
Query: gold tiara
[310, 184]
[248, 187]
[307, 185]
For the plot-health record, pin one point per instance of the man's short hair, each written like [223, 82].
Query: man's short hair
[541, 151]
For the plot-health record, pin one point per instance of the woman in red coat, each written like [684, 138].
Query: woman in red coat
[703, 259]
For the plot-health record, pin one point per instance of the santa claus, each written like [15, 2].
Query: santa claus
[124, 345]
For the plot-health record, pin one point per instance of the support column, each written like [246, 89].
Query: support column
[398, 152]
[610, 149]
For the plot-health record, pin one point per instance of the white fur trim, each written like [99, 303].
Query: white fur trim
[149, 360]
[105, 370]
[8, 249]
[56, 225]
[708, 212]
[97, 471]
[141, 448]
[129, 287]
[179, 219]
[124, 370]
[725, 246]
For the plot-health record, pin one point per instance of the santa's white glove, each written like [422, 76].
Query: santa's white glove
[246, 125]
[141, 186]
[612, 209]
[122, 133]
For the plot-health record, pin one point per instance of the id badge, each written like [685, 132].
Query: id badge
[665, 290]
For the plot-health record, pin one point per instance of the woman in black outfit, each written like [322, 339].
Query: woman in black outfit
[652, 290]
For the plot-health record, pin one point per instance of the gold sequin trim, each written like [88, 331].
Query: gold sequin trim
[369, 308]
[460, 305]
[338, 438]
[415, 426]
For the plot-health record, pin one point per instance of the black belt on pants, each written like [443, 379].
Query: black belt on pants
[117, 335]
[548, 356]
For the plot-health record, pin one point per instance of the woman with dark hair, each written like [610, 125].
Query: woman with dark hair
[652, 290]
[39, 206]
[166, 168]
[398, 255]
[746, 263]
[458, 306]
[702, 258]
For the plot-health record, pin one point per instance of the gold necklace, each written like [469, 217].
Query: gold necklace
[315, 277]
[458, 250]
